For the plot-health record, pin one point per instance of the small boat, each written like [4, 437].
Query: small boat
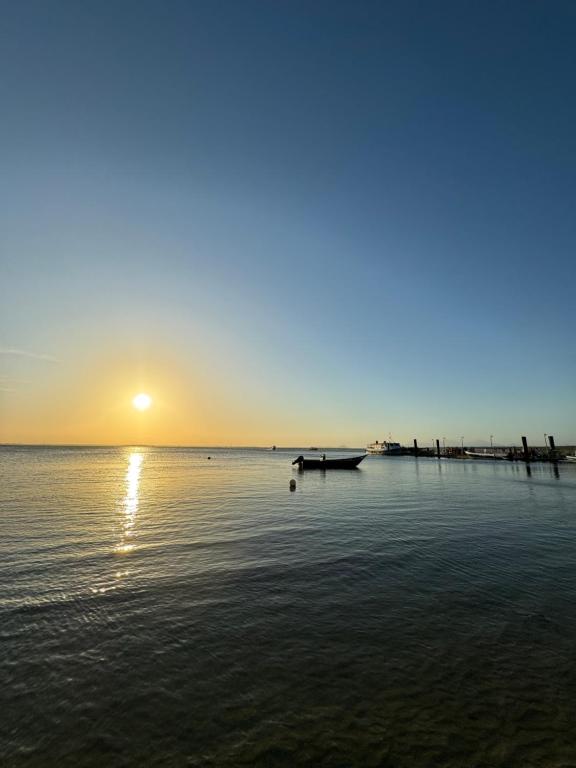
[324, 463]
[486, 455]
[384, 449]
[570, 458]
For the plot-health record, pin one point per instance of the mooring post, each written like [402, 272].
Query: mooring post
[526, 451]
[438, 448]
[552, 452]
[415, 447]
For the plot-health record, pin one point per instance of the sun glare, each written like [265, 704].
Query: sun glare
[142, 402]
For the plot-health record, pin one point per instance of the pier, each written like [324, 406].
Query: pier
[519, 452]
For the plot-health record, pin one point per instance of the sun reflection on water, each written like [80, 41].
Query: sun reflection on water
[130, 502]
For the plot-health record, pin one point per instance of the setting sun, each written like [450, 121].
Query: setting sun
[142, 402]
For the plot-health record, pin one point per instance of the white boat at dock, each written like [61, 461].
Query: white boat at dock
[570, 458]
[487, 455]
[384, 449]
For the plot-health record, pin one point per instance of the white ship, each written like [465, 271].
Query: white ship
[384, 449]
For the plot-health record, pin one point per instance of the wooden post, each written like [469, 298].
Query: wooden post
[438, 448]
[415, 447]
[526, 451]
[552, 455]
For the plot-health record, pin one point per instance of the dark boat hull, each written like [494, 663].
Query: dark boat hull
[348, 463]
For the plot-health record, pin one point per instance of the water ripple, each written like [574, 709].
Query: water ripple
[161, 609]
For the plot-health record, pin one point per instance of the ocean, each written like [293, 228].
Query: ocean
[162, 608]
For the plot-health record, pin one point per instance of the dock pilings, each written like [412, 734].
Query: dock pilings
[553, 453]
[525, 453]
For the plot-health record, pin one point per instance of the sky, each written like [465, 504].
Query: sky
[291, 223]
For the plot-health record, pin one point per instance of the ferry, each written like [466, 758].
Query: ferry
[384, 449]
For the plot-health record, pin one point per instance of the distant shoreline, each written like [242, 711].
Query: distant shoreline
[156, 445]
[567, 446]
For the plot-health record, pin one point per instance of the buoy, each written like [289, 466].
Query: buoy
[209, 457]
[292, 485]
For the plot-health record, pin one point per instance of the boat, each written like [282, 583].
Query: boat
[570, 458]
[487, 455]
[384, 449]
[324, 463]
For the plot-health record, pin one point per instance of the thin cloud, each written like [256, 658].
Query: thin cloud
[11, 380]
[25, 353]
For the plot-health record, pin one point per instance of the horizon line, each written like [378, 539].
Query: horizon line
[268, 447]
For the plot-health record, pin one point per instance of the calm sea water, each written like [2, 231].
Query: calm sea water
[159, 608]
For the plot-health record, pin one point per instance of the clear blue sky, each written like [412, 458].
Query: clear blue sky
[359, 218]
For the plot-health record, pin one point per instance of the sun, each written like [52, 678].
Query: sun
[142, 401]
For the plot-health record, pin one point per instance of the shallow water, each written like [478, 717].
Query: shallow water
[159, 608]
